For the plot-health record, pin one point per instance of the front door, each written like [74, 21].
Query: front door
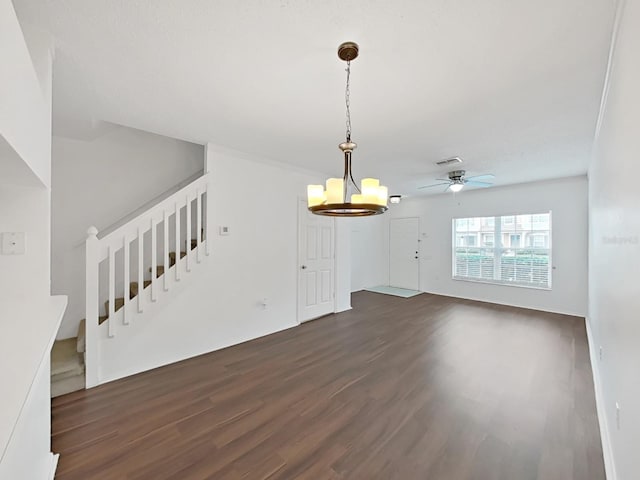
[404, 262]
[316, 263]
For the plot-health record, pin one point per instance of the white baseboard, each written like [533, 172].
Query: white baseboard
[54, 465]
[607, 453]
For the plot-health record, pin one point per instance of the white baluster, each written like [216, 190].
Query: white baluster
[92, 245]
[207, 233]
[198, 225]
[188, 241]
[178, 246]
[112, 292]
[166, 251]
[127, 282]
[140, 268]
[154, 261]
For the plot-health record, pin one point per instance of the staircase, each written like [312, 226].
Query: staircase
[134, 286]
[67, 364]
[143, 251]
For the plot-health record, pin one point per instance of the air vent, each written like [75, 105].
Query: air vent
[449, 161]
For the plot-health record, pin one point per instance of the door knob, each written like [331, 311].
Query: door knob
[303, 267]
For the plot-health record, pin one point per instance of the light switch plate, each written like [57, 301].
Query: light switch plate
[13, 243]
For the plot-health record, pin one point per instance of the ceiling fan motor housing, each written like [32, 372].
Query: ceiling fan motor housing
[456, 175]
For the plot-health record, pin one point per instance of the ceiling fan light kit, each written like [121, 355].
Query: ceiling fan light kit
[368, 199]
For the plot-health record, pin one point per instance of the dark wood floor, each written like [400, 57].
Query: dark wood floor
[428, 387]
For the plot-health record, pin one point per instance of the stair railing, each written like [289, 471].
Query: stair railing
[190, 200]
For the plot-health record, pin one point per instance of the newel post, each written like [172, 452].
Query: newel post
[91, 301]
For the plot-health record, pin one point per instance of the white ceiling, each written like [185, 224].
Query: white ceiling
[511, 86]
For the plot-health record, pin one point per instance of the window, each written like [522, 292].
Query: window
[509, 250]
[470, 240]
[539, 240]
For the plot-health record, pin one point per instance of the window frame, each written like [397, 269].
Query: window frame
[498, 250]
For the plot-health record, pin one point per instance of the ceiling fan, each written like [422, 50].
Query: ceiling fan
[457, 181]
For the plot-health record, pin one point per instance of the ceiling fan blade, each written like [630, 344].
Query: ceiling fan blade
[473, 183]
[486, 176]
[434, 185]
[448, 180]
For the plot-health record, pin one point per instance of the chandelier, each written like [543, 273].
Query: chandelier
[371, 198]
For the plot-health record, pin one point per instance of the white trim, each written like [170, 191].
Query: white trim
[54, 465]
[605, 437]
[607, 76]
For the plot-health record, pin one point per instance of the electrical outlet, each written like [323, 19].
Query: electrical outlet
[600, 352]
[618, 415]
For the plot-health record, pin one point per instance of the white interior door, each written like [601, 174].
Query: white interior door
[404, 261]
[316, 264]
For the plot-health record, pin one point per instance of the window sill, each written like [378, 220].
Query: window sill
[501, 284]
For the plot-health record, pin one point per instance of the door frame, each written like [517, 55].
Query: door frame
[302, 206]
[419, 251]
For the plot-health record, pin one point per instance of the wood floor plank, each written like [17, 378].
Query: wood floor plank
[424, 387]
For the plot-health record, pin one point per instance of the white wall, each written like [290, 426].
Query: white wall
[25, 209]
[25, 157]
[220, 302]
[566, 198]
[369, 252]
[614, 256]
[25, 104]
[28, 330]
[98, 182]
[25, 125]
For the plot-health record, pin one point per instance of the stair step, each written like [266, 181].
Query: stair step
[133, 288]
[71, 373]
[101, 319]
[82, 335]
[65, 360]
[194, 241]
[159, 270]
[172, 257]
[67, 385]
[118, 305]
